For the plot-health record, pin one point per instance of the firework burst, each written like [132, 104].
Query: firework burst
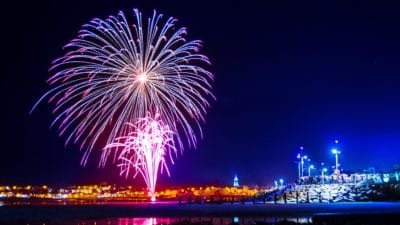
[116, 72]
[145, 150]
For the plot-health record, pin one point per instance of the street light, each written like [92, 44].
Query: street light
[281, 181]
[336, 153]
[322, 168]
[299, 166]
[301, 159]
[323, 171]
[309, 170]
[302, 164]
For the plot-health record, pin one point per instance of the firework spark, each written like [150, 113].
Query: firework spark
[116, 72]
[144, 150]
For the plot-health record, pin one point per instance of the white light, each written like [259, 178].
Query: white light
[324, 169]
[312, 166]
[334, 151]
[386, 178]
[142, 77]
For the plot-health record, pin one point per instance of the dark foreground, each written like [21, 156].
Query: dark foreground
[172, 213]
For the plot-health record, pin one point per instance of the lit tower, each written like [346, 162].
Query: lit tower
[236, 181]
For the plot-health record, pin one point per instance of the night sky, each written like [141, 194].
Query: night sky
[287, 74]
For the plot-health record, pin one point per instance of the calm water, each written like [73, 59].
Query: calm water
[324, 220]
[193, 220]
[172, 221]
[170, 213]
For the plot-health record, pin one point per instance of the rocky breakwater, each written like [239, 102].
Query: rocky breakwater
[347, 192]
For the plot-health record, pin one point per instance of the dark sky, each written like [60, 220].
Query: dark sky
[287, 74]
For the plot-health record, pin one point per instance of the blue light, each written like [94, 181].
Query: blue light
[386, 178]
[235, 219]
[236, 181]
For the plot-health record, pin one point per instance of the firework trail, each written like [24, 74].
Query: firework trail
[116, 72]
[144, 150]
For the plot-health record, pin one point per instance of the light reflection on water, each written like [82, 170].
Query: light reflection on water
[194, 220]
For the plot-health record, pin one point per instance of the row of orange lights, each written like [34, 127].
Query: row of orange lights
[116, 192]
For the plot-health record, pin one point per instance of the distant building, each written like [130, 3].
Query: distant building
[236, 181]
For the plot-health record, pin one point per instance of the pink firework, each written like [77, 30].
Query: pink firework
[119, 69]
[144, 150]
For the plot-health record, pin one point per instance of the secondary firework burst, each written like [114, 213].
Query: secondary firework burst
[117, 72]
[145, 150]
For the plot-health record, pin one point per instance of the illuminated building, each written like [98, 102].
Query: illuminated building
[236, 181]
